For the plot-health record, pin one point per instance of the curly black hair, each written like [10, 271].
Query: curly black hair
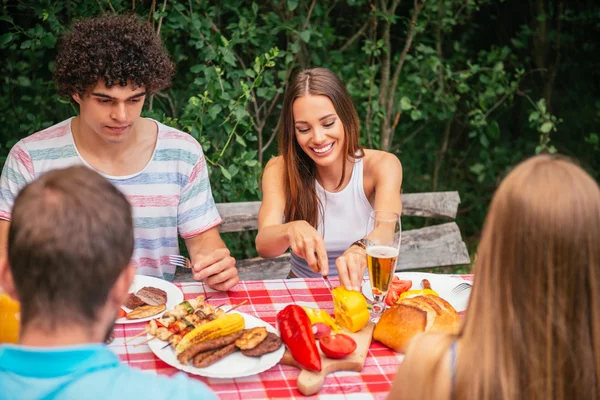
[118, 49]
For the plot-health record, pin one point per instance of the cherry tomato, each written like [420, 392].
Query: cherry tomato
[337, 346]
[400, 286]
[391, 298]
[121, 313]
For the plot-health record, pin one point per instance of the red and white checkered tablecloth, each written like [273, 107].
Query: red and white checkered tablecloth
[265, 299]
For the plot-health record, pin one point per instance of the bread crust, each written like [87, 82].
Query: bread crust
[410, 316]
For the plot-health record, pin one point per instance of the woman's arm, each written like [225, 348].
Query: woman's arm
[274, 237]
[387, 173]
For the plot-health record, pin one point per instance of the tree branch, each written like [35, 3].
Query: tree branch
[287, 77]
[170, 101]
[497, 104]
[413, 134]
[161, 18]
[111, 7]
[442, 152]
[206, 42]
[152, 8]
[328, 11]
[310, 10]
[356, 35]
[411, 33]
[100, 6]
[266, 146]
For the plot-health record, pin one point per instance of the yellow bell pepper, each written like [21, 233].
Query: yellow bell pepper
[321, 316]
[350, 309]
[419, 292]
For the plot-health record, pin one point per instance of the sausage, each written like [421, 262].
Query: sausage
[185, 356]
[205, 361]
[201, 356]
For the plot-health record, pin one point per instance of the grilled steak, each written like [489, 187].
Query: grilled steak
[152, 296]
[271, 343]
[133, 301]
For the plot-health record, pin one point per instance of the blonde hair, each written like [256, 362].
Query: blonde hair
[532, 328]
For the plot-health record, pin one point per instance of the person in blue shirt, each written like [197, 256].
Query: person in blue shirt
[69, 247]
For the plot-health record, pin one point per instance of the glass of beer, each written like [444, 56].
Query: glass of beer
[384, 234]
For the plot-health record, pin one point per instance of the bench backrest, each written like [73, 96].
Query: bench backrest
[243, 216]
[432, 246]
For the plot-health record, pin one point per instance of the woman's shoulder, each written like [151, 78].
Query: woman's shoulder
[277, 162]
[381, 166]
[274, 172]
[380, 159]
[429, 362]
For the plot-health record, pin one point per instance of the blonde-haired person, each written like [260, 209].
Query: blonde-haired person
[532, 328]
[323, 184]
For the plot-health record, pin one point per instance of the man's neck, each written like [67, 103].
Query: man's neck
[116, 159]
[40, 336]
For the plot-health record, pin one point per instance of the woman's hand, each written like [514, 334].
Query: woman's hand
[351, 267]
[306, 242]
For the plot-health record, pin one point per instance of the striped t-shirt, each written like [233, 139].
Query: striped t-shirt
[170, 196]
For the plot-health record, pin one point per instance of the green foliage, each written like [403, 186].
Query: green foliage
[467, 105]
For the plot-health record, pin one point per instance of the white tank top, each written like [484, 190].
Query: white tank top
[346, 215]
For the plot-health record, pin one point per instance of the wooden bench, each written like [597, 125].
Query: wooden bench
[432, 246]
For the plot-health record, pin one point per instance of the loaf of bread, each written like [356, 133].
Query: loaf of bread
[410, 316]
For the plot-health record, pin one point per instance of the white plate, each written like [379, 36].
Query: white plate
[174, 295]
[442, 284]
[235, 365]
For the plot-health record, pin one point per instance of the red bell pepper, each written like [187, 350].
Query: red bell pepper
[296, 333]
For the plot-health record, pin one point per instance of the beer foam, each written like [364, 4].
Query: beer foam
[382, 251]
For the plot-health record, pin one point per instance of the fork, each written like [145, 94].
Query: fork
[180, 261]
[461, 287]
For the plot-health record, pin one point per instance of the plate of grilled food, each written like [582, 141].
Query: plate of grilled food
[201, 339]
[148, 297]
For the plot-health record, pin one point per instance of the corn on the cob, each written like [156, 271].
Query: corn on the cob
[220, 327]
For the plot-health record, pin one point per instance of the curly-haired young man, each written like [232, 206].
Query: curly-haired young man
[108, 65]
[69, 246]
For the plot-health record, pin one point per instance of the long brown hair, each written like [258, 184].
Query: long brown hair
[532, 328]
[302, 202]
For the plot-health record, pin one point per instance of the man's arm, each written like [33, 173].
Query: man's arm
[211, 259]
[4, 227]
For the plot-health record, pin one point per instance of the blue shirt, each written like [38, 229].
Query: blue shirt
[85, 372]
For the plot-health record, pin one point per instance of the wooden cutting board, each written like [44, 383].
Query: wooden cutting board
[310, 382]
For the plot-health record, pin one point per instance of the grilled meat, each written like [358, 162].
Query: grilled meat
[271, 343]
[152, 296]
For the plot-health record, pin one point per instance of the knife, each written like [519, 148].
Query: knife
[325, 278]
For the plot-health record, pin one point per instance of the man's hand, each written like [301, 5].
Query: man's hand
[351, 267]
[216, 269]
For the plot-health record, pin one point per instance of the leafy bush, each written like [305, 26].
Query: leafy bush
[431, 81]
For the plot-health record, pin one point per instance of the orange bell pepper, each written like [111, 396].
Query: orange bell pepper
[350, 309]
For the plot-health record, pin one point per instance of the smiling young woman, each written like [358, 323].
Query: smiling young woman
[323, 184]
